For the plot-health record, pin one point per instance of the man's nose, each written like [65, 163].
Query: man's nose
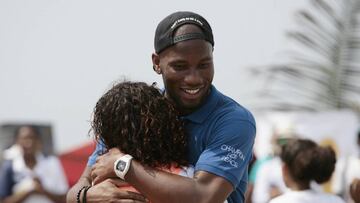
[193, 77]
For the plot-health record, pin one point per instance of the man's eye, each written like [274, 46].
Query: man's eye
[204, 65]
[179, 66]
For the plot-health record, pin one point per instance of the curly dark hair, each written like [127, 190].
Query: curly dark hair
[137, 119]
[308, 161]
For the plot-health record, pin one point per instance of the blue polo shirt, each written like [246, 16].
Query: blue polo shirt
[222, 134]
[221, 137]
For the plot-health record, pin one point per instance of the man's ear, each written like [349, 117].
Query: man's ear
[156, 63]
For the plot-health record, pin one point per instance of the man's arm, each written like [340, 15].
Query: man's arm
[204, 187]
[159, 186]
[220, 167]
[84, 180]
[106, 191]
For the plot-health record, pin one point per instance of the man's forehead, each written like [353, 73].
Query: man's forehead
[183, 50]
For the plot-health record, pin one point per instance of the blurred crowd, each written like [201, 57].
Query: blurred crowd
[297, 170]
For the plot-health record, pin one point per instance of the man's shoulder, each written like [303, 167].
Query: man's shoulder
[228, 108]
[230, 118]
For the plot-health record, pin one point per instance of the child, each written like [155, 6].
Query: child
[137, 119]
[304, 161]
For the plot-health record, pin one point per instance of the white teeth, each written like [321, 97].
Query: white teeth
[194, 91]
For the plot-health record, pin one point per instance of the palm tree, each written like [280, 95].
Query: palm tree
[324, 71]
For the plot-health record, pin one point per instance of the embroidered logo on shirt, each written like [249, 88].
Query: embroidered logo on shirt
[232, 156]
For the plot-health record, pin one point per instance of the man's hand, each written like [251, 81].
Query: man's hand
[108, 191]
[104, 166]
[355, 190]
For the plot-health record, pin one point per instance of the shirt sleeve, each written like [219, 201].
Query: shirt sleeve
[229, 149]
[100, 148]
[6, 179]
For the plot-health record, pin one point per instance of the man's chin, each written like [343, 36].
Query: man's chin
[189, 107]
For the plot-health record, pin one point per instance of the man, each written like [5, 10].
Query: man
[221, 132]
[31, 177]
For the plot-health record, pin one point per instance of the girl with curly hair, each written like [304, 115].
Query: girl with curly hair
[138, 120]
[305, 161]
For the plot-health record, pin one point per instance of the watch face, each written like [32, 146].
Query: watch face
[120, 166]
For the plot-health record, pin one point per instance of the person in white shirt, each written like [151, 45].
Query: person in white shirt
[303, 162]
[31, 177]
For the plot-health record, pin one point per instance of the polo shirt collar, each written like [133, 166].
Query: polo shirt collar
[205, 110]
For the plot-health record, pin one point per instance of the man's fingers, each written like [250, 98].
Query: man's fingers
[96, 180]
[98, 158]
[130, 201]
[92, 171]
[95, 177]
[93, 174]
[132, 196]
[118, 182]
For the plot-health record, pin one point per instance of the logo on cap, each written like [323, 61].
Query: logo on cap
[186, 19]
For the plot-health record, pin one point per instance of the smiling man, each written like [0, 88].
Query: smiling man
[221, 132]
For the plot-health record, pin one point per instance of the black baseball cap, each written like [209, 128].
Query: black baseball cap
[164, 34]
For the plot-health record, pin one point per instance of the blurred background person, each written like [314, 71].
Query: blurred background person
[266, 176]
[303, 162]
[347, 170]
[29, 176]
[355, 190]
